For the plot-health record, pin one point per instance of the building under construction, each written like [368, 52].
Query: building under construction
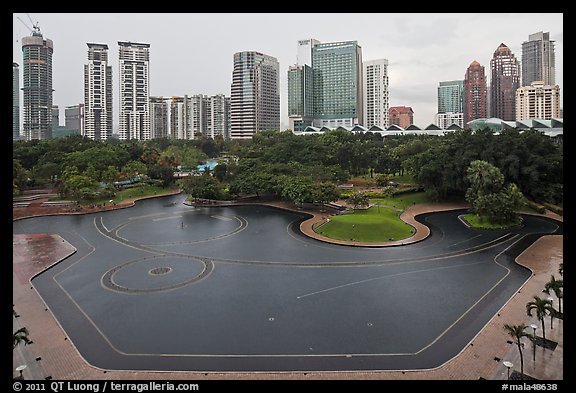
[37, 85]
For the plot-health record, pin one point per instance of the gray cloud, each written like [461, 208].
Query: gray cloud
[193, 53]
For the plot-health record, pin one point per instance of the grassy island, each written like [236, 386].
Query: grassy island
[373, 225]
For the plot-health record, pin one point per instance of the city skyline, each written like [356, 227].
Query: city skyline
[422, 49]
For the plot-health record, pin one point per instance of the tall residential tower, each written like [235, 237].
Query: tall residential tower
[134, 86]
[375, 89]
[97, 93]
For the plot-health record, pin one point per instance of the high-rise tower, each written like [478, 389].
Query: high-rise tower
[450, 96]
[97, 93]
[475, 93]
[37, 85]
[159, 117]
[505, 70]
[375, 89]
[450, 104]
[300, 87]
[538, 59]
[15, 101]
[255, 94]
[337, 73]
[134, 91]
[300, 91]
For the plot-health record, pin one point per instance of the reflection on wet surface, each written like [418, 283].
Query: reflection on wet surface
[240, 288]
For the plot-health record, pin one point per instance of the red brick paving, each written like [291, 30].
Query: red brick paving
[61, 361]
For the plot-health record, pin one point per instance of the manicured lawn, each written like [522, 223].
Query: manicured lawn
[402, 201]
[406, 178]
[371, 225]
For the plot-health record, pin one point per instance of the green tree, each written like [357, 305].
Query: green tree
[298, 189]
[184, 154]
[205, 187]
[325, 193]
[555, 286]
[517, 332]
[19, 176]
[358, 198]
[487, 195]
[542, 307]
[81, 186]
[110, 174]
[134, 168]
[47, 171]
[165, 173]
[220, 171]
[382, 180]
[99, 157]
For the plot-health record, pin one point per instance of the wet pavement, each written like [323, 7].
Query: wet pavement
[246, 268]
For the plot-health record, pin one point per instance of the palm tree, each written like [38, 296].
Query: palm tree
[517, 332]
[543, 307]
[21, 335]
[555, 286]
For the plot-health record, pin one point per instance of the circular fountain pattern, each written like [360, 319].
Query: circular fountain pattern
[242, 289]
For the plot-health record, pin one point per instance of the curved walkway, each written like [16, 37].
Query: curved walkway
[52, 355]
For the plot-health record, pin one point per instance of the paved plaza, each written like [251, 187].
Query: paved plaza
[53, 355]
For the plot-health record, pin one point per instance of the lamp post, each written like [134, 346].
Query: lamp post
[533, 326]
[20, 369]
[551, 300]
[508, 365]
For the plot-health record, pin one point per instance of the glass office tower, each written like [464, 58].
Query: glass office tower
[337, 73]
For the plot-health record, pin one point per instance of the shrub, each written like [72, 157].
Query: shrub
[536, 206]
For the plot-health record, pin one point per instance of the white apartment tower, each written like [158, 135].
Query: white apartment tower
[538, 101]
[179, 118]
[216, 116]
[193, 116]
[376, 98]
[134, 91]
[97, 93]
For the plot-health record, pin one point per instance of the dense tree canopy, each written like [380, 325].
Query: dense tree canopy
[280, 163]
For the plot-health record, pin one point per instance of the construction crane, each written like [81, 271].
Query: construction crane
[35, 30]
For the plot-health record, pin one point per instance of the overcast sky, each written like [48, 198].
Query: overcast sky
[192, 53]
